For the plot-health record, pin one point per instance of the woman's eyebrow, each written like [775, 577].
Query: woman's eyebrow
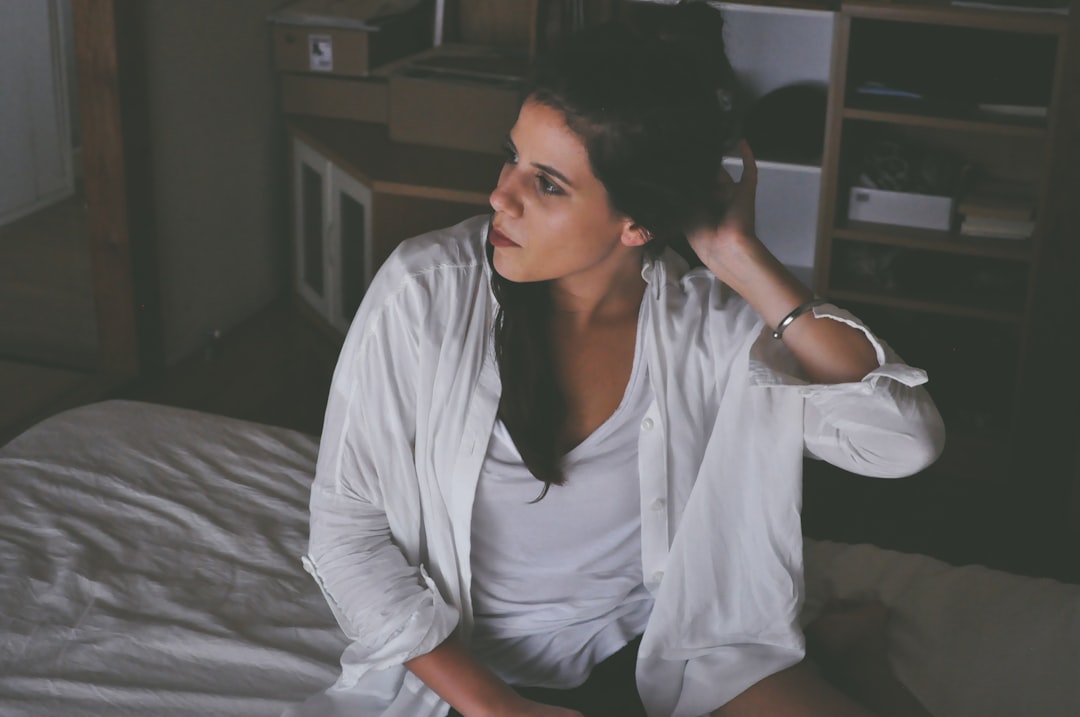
[542, 167]
[554, 172]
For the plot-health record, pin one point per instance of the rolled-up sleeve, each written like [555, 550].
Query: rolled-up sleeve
[365, 504]
[885, 425]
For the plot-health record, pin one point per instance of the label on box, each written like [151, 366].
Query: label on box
[321, 53]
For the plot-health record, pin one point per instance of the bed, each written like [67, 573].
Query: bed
[149, 565]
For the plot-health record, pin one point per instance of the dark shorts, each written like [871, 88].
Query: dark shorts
[610, 690]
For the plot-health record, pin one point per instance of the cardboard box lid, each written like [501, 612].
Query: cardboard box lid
[344, 14]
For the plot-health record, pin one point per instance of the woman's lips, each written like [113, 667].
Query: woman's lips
[497, 238]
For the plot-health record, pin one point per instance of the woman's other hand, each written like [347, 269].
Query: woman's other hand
[728, 245]
[828, 351]
[714, 238]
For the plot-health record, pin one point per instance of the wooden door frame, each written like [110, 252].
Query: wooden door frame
[113, 114]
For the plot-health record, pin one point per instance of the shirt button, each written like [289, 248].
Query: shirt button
[647, 424]
[658, 504]
[657, 577]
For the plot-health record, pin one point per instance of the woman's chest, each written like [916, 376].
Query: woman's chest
[593, 370]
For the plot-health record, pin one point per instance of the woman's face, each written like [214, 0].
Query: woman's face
[552, 216]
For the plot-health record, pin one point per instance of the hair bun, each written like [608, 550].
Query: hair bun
[695, 27]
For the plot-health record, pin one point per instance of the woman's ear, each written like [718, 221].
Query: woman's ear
[634, 234]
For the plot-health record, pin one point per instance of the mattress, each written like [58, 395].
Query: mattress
[149, 565]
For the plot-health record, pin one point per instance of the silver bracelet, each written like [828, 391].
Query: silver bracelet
[795, 313]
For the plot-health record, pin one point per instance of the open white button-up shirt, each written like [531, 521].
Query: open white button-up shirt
[410, 414]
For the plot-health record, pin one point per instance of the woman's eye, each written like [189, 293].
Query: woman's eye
[546, 186]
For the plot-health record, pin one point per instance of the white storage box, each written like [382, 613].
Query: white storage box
[925, 211]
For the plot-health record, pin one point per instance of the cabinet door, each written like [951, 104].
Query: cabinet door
[350, 260]
[311, 178]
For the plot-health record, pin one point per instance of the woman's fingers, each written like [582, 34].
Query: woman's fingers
[749, 172]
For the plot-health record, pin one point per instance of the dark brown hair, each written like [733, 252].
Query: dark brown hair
[650, 101]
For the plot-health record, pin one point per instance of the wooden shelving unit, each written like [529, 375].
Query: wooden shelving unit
[1001, 144]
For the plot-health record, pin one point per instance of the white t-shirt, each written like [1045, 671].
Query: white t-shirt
[557, 584]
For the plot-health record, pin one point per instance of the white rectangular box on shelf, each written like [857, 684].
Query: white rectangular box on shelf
[925, 211]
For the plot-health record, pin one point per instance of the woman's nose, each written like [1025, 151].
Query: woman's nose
[504, 198]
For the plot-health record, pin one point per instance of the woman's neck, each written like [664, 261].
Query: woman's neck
[587, 299]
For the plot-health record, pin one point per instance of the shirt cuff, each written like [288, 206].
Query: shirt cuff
[380, 643]
[773, 365]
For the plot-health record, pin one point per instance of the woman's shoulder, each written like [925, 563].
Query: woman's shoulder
[448, 250]
[425, 276]
[441, 262]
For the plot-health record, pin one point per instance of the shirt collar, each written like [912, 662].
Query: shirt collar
[659, 271]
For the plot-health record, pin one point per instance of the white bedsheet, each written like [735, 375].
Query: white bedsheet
[149, 565]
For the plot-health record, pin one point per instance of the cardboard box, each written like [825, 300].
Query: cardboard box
[924, 211]
[345, 45]
[456, 97]
[364, 100]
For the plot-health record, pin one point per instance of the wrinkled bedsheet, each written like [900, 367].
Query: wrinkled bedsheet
[149, 565]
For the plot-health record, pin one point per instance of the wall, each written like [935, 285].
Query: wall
[218, 166]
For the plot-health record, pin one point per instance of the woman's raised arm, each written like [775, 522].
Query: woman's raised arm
[827, 351]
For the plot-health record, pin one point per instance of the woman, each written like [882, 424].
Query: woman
[552, 452]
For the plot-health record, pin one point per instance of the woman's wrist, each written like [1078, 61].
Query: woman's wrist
[731, 254]
[745, 264]
[830, 351]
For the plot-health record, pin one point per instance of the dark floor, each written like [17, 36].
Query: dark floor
[273, 369]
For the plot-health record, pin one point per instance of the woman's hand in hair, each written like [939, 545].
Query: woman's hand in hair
[828, 351]
[727, 243]
[717, 240]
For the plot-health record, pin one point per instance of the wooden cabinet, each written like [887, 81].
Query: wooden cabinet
[332, 235]
[356, 195]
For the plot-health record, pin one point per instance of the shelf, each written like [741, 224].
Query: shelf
[942, 12]
[912, 117]
[933, 240]
[932, 307]
[778, 7]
